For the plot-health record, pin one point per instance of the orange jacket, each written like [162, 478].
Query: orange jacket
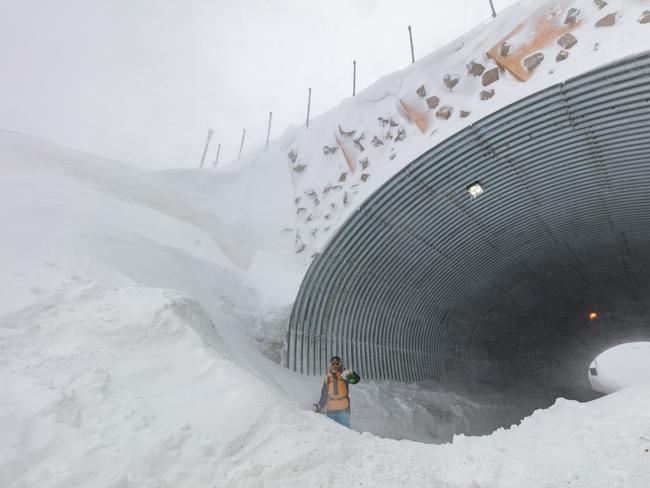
[335, 392]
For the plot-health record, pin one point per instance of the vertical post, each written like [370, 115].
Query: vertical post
[411, 39]
[494, 13]
[241, 146]
[216, 161]
[205, 149]
[308, 107]
[354, 78]
[268, 131]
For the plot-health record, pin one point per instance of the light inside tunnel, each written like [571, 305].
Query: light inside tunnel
[592, 316]
[475, 189]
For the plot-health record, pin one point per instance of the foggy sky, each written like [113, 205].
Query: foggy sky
[141, 81]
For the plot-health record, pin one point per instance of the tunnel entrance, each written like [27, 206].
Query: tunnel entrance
[620, 366]
[429, 281]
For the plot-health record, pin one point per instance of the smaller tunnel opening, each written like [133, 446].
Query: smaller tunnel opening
[620, 367]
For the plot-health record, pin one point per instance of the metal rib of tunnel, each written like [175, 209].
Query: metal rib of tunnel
[423, 283]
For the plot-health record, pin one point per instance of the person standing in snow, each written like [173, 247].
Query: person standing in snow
[334, 396]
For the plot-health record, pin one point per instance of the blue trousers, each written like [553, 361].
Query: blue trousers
[341, 417]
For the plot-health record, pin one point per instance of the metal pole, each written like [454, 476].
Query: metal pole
[205, 149]
[241, 146]
[216, 161]
[268, 131]
[308, 107]
[494, 13]
[354, 78]
[411, 39]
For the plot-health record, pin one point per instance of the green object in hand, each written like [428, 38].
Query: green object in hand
[353, 378]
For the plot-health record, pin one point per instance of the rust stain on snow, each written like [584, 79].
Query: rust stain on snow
[540, 30]
[420, 118]
[348, 158]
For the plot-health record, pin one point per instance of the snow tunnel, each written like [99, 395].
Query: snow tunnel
[426, 282]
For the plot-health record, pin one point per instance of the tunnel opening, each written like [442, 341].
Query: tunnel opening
[493, 293]
[620, 367]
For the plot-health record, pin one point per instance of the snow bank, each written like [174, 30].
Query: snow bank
[116, 384]
[601, 444]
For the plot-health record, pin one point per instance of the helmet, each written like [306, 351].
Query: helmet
[336, 362]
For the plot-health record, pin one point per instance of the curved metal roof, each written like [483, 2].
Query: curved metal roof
[424, 283]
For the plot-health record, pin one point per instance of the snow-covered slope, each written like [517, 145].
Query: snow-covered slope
[106, 363]
[350, 151]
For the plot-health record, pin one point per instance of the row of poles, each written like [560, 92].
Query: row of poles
[268, 130]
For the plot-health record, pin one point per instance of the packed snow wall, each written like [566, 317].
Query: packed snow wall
[423, 282]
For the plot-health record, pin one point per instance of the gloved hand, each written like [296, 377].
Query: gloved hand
[316, 407]
[350, 376]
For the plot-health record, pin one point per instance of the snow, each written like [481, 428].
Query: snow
[569, 444]
[142, 316]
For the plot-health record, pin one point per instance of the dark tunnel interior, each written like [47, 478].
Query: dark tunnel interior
[425, 283]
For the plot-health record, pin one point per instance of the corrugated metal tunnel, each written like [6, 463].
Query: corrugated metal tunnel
[424, 283]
